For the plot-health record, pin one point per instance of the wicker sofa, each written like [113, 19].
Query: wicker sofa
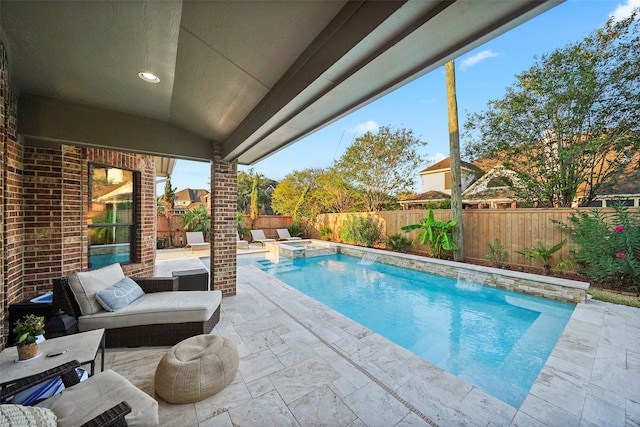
[162, 316]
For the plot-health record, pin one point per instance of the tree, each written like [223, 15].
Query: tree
[255, 193]
[456, 174]
[570, 122]
[166, 205]
[288, 192]
[382, 164]
[197, 219]
[245, 185]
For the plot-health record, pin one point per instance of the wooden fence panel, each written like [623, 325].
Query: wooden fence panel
[269, 224]
[517, 229]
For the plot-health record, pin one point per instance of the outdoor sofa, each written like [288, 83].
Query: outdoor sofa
[162, 315]
[105, 399]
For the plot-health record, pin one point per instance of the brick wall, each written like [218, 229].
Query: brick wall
[224, 188]
[56, 186]
[12, 203]
[4, 80]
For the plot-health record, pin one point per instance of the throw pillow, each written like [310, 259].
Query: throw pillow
[85, 284]
[19, 416]
[119, 295]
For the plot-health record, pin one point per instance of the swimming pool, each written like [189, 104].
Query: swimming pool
[494, 339]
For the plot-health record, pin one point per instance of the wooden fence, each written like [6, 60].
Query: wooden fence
[516, 228]
[269, 224]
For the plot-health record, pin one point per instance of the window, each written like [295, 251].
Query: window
[447, 180]
[111, 217]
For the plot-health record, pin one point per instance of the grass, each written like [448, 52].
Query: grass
[615, 298]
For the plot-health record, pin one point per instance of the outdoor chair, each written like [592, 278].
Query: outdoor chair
[195, 240]
[283, 234]
[258, 236]
[105, 399]
[241, 243]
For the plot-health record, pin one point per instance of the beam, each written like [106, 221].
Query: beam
[46, 119]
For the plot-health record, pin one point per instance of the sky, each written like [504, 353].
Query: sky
[482, 74]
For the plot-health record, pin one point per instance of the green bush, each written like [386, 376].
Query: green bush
[438, 235]
[326, 233]
[497, 253]
[607, 246]
[398, 243]
[295, 230]
[358, 230]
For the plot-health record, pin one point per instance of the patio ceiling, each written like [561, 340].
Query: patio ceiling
[251, 77]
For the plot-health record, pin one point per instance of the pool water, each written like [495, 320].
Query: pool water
[494, 339]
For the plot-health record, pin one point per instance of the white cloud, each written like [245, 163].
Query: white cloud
[368, 126]
[480, 56]
[435, 159]
[624, 10]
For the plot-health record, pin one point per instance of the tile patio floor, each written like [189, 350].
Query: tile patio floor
[303, 364]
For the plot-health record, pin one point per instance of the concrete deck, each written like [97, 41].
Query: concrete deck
[303, 364]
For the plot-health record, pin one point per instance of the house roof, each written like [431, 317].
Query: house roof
[446, 164]
[245, 78]
[191, 195]
[429, 195]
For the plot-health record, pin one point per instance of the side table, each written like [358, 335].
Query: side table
[82, 347]
[192, 280]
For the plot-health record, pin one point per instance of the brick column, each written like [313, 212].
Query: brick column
[224, 202]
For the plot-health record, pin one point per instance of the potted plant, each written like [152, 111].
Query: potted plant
[28, 330]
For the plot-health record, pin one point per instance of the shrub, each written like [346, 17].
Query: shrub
[326, 233]
[295, 230]
[543, 253]
[438, 235]
[497, 253]
[358, 230]
[607, 246]
[398, 243]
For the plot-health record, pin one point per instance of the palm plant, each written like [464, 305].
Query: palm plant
[434, 233]
[197, 219]
[542, 253]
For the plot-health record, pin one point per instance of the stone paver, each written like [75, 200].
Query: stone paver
[304, 364]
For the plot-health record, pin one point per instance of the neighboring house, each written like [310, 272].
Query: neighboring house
[436, 183]
[488, 184]
[427, 198]
[189, 198]
[492, 190]
[438, 176]
[625, 190]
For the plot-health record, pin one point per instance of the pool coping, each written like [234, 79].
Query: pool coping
[571, 291]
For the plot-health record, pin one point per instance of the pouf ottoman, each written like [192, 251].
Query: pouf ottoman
[196, 368]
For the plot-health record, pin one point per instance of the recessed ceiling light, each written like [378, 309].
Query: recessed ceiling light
[148, 77]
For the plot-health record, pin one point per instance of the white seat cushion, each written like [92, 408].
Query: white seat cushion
[85, 284]
[157, 308]
[83, 402]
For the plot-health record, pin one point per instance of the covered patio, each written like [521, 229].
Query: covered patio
[237, 81]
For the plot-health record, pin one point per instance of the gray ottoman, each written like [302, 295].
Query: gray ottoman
[196, 368]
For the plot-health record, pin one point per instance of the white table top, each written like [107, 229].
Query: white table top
[82, 347]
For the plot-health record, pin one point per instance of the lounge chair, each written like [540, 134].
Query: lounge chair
[283, 234]
[241, 243]
[195, 240]
[258, 236]
[103, 399]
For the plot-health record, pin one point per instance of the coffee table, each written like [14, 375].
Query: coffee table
[82, 347]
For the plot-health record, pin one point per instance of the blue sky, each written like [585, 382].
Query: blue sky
[481, 75]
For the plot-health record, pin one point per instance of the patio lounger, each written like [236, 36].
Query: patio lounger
[103, 399]
[241, 243]
[195, 240]
[258, 236]
[283, 234]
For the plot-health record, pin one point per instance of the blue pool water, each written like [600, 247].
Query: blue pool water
[494, 339]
